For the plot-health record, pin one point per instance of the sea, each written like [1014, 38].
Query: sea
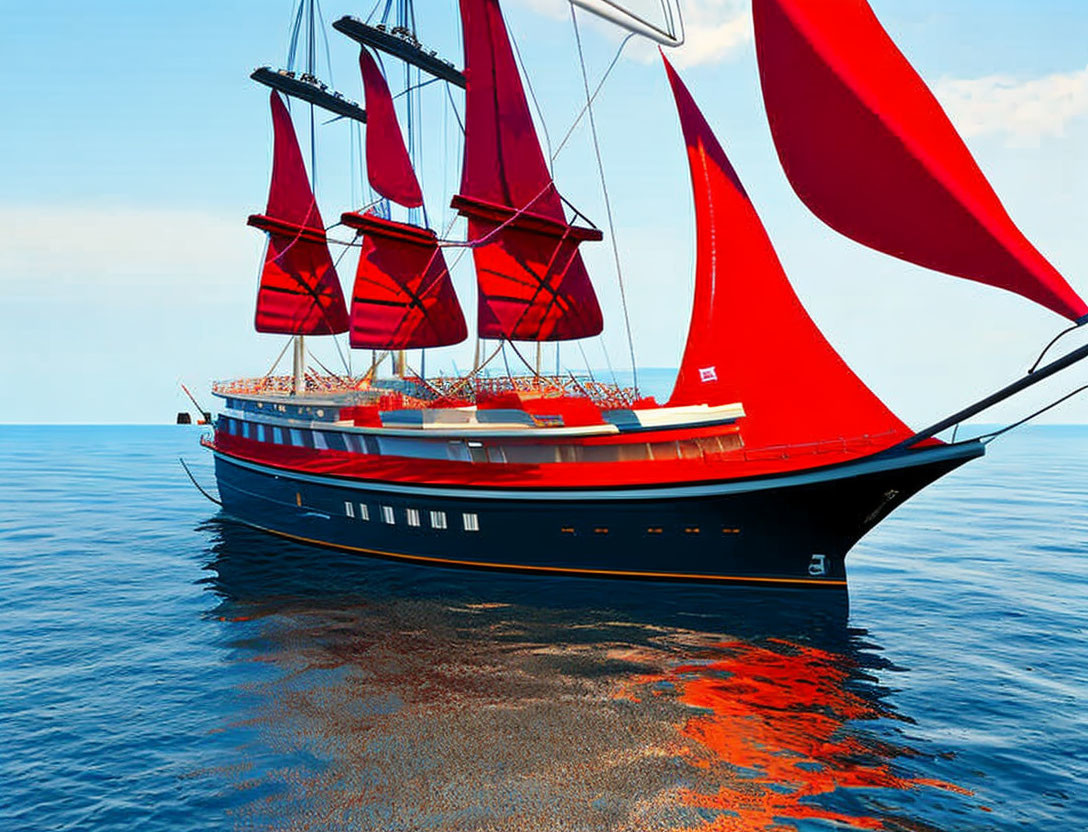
[163, 668]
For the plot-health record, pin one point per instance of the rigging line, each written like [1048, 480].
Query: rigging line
[325, 37]
[417, 86]
[585, 361]
[517, 352]
[296, 29]
[279, 358]
[607, 205]
[532, 94]
[987, 438]
[502, 346]
[596, 91]
[371, 15]
[386, 10]
[1055, 340]
[336, 376]
[460, 121]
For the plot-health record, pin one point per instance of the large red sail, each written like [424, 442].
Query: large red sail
[750, 339]
[403, 296]
[299, 292]
[387, 163]
[869, 150]
[533, 285]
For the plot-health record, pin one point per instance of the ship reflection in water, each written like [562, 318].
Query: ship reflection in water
[387, 696]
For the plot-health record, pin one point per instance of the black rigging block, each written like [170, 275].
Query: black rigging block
[308, 88]
[400, 43]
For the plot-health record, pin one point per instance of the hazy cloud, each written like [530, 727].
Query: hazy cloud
[1024, 111]
[715, 29]
[47, 247]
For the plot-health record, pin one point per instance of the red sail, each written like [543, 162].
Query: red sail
[387, 164]
[299, 293]
[403, 296]
[533, 285]
[750, 339]
[870, 151]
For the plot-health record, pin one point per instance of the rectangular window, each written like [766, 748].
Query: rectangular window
[319, 441]
[245, 430]
[296, 437]
[349, 508]
[364, 512]
[387, 515]
[413, 516]
[261, 433]
[438, 519]
[277, 436]
[471, 521]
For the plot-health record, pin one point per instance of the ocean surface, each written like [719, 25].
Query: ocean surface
[164, 669]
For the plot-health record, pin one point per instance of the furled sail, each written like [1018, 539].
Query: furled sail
[869, 150]
[299, 292]
[387, 163]
[750, 339]
[403, 296]
[533, 285]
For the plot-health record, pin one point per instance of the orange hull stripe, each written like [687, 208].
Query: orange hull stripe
[553, 570]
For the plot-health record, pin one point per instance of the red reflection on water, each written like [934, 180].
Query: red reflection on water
[772, 736]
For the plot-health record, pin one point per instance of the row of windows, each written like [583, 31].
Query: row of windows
[474, 451]
[469, 520]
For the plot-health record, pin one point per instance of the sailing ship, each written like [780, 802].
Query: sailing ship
[770, 459]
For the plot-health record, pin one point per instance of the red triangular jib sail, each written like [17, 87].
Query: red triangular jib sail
[403, 296]
[532, 283]
[388, 165]
[750, 340]
[869, 150]
[299, 292]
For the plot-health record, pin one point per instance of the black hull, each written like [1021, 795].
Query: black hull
[790, 529]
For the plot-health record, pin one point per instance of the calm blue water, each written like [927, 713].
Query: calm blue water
[163, 669]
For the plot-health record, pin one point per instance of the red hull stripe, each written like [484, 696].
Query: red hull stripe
[572, 480]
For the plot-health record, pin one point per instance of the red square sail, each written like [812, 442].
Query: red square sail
[403, 296]
[533, 285]
[299, 293]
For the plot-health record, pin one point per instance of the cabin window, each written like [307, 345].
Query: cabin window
[277, 436]
[412, 516]
[261, 433]
[352, 443]
[387, 515]
[477, 452]
[438, 519]
[319, 441]
[364, 512]
[349, 508]
[471, 522]
[296, 437]
[245, 430]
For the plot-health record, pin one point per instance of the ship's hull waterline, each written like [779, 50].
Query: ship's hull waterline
[793, 529]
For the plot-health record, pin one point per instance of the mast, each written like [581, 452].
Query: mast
[298, 385]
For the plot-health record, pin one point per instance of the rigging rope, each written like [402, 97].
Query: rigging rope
[600, 84]
[1053, 341]
[987, 438]
[607, 204]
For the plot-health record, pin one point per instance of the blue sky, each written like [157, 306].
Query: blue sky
[134, 146]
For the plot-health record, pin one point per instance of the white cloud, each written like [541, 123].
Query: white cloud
[48, 247]
[714, 29]
[1024, 111]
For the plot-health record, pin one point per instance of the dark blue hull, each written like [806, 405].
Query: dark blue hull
[789, 529]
